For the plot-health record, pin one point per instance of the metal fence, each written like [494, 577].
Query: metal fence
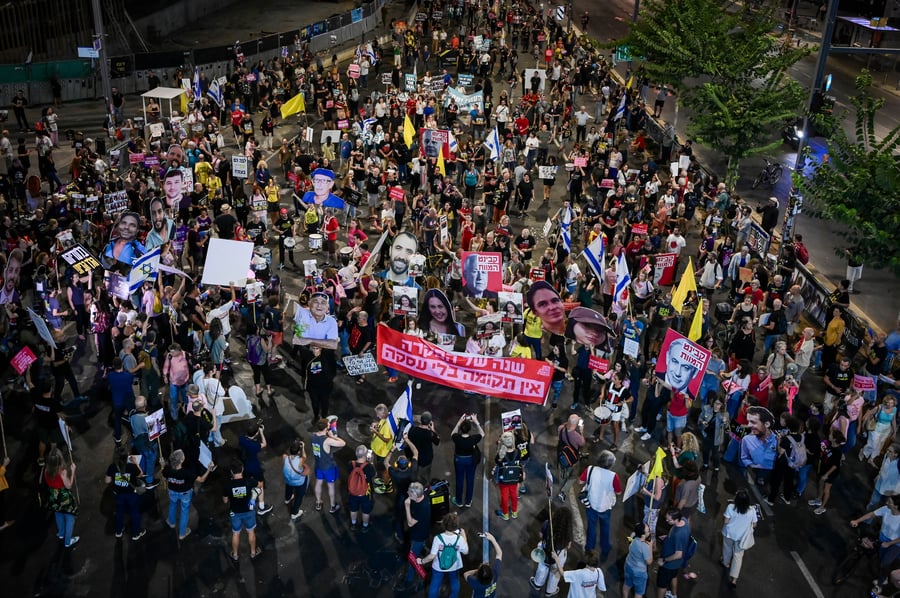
[80, 80]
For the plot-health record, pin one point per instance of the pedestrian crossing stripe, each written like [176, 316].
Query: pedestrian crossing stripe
[560, 13]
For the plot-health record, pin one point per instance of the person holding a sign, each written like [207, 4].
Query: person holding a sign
[589, 328]
[547, 305]
[475, 279]
[321, 195]
[173, 186]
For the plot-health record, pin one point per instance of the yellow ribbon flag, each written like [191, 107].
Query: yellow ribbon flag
[657, 468]
[630, 83]
[409, 132]
[687, 284]
[696, 330]
[293, 106]
[440, 162]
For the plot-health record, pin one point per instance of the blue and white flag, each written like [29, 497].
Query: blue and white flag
[493, 143]
[198, 91]
[401, 416]
[620, 111]
[565, 223]
[215, 93]
[595, 255]
[454, 145]
[143, 268]
[369, 122]
[623, 278]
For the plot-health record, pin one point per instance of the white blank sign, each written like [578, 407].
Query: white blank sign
[227, 262]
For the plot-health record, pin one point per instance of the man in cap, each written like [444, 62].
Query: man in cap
[769, 215]
[321, 195]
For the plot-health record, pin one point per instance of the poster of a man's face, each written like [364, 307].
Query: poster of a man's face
[163, 227]
[9, 293]
[482, 274]
[402, 250]
[123, 247]
[321, 195]
[432, 140]
[173, 185]
[682, 364]
[175, 155]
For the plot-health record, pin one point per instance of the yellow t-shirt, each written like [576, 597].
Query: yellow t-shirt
[379, 446]
[523, 351]
[202, 170]
[532, 325]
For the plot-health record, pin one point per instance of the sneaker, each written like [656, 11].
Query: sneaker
[152, 484]
[187, 532]
[646, 436]
[784, 499]
[561, 496]
[139, 535]
[73, 541]
[771, 503]
[819, 511]
[504, 516]
[515, 514]
[266, 509]
[172, 525]
[297, 515]
[456, 503]
[815, 502]
[119, 534]
[468, 505]
[624, 427]
[534, 585]
[575, 407]
[640, 429]
[354, 526]
[523, 489]
[334, 509]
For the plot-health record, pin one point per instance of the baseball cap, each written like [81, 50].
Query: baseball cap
[585, 315]
[323, 172]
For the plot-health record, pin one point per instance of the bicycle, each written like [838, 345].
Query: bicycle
[866, 546]
[770, 174]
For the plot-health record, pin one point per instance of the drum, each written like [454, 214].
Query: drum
[602, 414]
[290, 242]
[315, 242]
[263, 252]
[258, 263]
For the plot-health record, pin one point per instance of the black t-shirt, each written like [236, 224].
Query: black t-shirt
[421, 512]
[840, 378]
[238, 492]
[464, 446]
[180, 480]
[402, 478]
[45, 409]
[425, 441]
[226, 223]
[122, 479]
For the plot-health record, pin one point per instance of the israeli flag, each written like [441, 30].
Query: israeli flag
[215, 93]
[369, 122]
[620, 111]
[198, 91]
[623, 278]
[143, 268]
[401, 416]
[454, 146]
[595, 255]
[493, 144]
[371, 54]
[564, 225]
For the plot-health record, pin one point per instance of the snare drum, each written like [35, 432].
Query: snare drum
[258, 263]
[602, 414]
[263, 252]
[289, 242]
[315, 242]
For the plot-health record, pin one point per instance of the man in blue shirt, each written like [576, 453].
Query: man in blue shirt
[121, 388]
[759, 447]
[671, 556]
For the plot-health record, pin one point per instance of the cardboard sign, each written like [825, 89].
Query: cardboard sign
[80, 259]
[511, 420]
[310, 268]
[227, 262]
[385, 78]
[639, 229]
[353, 71]
[397, 193]
[664, 268]
[606, 183]
[351, 196]
[409, 82]
[135, 158]
[115, 203]
[580, 161]
[151, 161]
[547, 173]
[156, 423]
[758, 240]
[537, 274]
[682, 363]
[405, 300]
[465, 79]
[482, 273]
[22, 360]
[598, 364]
[239, 167]
[358, 365]
[41, 327]
[343, 124]
[510, 306]
[864, 383]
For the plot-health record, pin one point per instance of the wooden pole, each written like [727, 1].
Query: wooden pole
[3, 435]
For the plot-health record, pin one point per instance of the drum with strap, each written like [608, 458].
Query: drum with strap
[289, 242]
[602, 414]
[315, 242]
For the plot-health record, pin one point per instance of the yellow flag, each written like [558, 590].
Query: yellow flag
[409, 132]
[630, 82]
[440, 162]
[293, 106]
[657, 468]
[696, 330]
[686, 285]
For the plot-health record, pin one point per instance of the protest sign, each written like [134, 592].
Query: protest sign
[41, 327]
[465, 79]
[330, 136]
[664, 268]
[24, 358]
[510, 306]
[488, 325]
[464, 101]
[409, 82]
[115, 202]
[310, 268]
[227, 262]
[529, 73]
[682, 363]
[239, 166]
[547, 173]
[516, 379]
[156, 424]
[639, 229]
[864, 383]
[598, 364]
[385, 78]
[357, 365]
[482, 273]
[405, 301]
[580, 161]
[353, 71]
[511, 420]
[537, 274]
[80, 259]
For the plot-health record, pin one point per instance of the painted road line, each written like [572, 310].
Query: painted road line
[807, 575]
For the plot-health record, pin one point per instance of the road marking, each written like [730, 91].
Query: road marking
[485, 490]
[807, 575]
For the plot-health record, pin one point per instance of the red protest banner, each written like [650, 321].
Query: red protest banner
[525, 380]
[639, 229]
[598, 364]
[864, 383]
[22, 360]
[396, 193]
[537, 274]
[682, 363]
[664, 268]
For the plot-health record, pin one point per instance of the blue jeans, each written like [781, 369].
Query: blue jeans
[709, 384]
[177, 397]
[131, 503]
[437, 578]
[465, 472]
[733, 403]
[851, 437]
[535, 344]
[65, 525]
[770, 340]
[180, 502]
[556, 389]
[415, 547]
[148, 461]
[593, 518]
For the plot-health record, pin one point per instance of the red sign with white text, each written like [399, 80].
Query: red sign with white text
[664, 268]
[513, 378]
[598, 364]
[22, 360]
[682, 363]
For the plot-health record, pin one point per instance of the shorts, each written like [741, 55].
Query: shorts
[360, 503]
[330, 245]
[374, 199]
[277, 338]
[636, 580]
[657, 333]
[830, 479]
[245, 521]
[675, 422]
[330, 475]
[665, 576]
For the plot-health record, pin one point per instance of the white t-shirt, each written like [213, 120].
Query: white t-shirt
[738, 523]
[448, 539]
[890, 523]
[584, 583]
[675, 244]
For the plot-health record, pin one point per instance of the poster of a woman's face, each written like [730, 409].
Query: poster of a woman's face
[510, 307]
[405, 301]
[589, 328]
[488, 325]
[437, 315]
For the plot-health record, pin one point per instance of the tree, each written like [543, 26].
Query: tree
[727, 67]
[859, 184]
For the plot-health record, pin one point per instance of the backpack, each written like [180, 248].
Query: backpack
[357, 484]
[568, 456]
[689, 550]
[802, 253]
[447, 554]
[471, 179]
[509, 473]
[798, 456]
[255, 353]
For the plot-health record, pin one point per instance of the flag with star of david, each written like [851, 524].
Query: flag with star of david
[144, 268]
